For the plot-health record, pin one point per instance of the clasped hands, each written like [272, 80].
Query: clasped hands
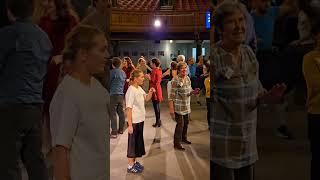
[274, 95]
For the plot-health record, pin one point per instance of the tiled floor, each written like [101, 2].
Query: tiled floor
[161, 161]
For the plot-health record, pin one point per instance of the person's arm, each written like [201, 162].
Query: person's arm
[166, 73]
[172, 94]
[129, 97]
[64, 117]
[149, 68]
[8, 43]
[129, 117]
[149, 95]
[158, 77]
[61, 163]
[311, 72]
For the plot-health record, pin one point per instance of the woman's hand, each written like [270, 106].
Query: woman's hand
[152, 90]
[278, 90]
[195, 91]
[274, 95]
[262, 93]
[130, 129]
[147, 76]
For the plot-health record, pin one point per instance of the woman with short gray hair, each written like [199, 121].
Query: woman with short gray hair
[236, 93]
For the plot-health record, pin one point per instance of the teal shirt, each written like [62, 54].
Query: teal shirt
[264, 27]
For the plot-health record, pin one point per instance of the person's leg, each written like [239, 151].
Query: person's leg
[156, 109]
[113, 115]
[9, 138]
[46, 134]
[154, 104]
[313, 132]
[178, 132]
[245, 173]
[208, 111]
[131, 162]
[140, 149]
[185, 129]
[133, 150]
[221, 173]
[158, 112]
[281, 115]
[31, 154]
[120, 113]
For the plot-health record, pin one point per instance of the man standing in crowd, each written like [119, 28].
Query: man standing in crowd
[24, 52]
[118, 79]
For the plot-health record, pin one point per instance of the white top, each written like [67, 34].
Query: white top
[135, 98]
[79, 120]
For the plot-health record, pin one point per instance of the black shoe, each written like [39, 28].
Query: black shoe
[186, 141]
[156, 125]
[179, 147]
[113, 135]
[284, 133]
[120, 131]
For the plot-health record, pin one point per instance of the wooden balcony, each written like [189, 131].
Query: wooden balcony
[136, 18]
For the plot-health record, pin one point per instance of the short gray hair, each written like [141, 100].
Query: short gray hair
[181, 58]
[225, 9]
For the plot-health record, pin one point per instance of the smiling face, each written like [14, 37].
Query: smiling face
[234, 27]
[142, 62]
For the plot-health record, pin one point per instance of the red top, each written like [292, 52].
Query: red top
[57, 38]
[128, 72]
[57, 35]
[156, 77]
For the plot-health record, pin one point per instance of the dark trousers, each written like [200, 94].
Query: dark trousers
[208, 110]
[20, 137]
[180, 133]
[270, 68]
[156, 107]
[222, 173]
[314, 133]
[116, 103]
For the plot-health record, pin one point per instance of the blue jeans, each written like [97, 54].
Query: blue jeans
[156, 107]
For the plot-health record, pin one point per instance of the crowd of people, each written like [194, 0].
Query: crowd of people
[129, 85]
[56, 78]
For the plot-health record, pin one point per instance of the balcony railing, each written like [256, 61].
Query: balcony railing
[143, 21]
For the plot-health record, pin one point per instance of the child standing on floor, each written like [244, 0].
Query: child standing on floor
[135, 107]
